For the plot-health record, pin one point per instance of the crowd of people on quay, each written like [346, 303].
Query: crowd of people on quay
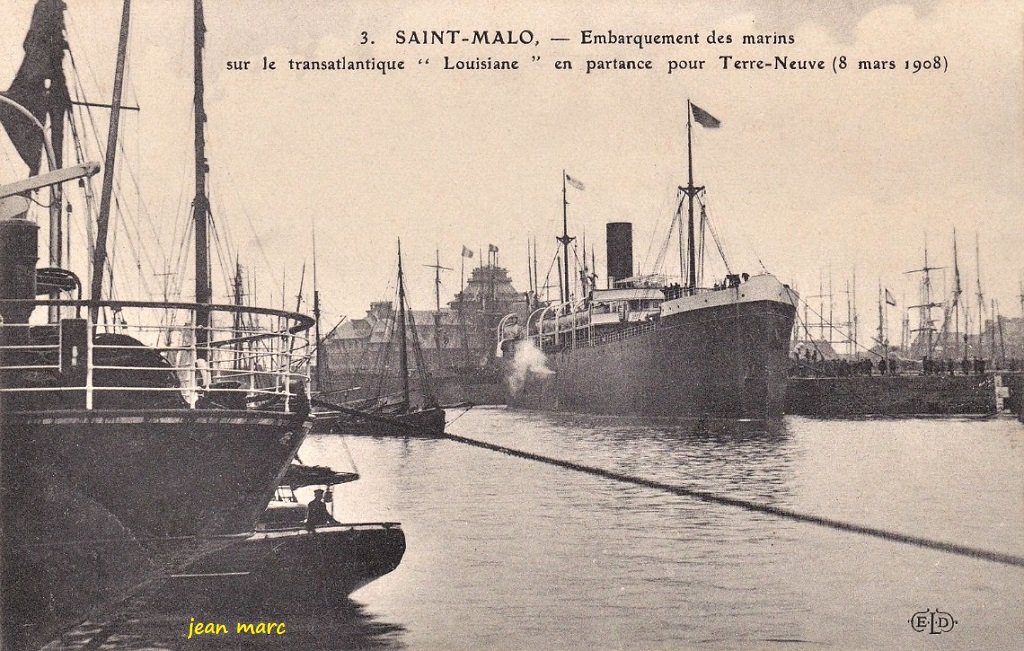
[972, 366]
[813, 364]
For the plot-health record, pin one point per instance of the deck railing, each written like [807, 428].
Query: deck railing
[252, 356]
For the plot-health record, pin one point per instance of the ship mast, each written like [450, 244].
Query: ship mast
[237, 319]
[201, 204]
[957, 291]
[103, 220]
[981, 297]
[926, 324]
[1021, 297]
[565, 240]
[881, 322]
[437, 301]
[691, 269]
[536, 280]
[316, 320]
[403, 353]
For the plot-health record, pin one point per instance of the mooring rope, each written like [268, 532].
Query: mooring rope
[757, 507]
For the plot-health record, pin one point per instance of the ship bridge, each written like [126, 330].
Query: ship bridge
[625, 305]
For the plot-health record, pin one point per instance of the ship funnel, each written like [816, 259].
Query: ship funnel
[18, 245]
[620, 251]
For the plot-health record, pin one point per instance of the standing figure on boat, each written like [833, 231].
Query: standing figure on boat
[316, 511]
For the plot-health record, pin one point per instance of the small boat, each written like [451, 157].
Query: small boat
[391, 415]
[285, 563]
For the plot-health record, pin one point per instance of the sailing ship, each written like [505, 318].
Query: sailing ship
[132, 444]
[647, 347]
[934, 370]
[456, 340]
[402, 413]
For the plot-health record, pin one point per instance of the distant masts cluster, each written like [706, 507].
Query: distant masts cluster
[961, 331]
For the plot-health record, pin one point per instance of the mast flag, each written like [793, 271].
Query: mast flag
[576, 183]
[889, 298]
[703, 118]
[40, 87]
[467, 252]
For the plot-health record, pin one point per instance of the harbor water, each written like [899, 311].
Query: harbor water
[511, 553]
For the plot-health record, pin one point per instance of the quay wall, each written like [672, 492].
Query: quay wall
[900, 395]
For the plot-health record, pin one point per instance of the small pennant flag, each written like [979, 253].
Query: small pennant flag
[703, 118]
[576, 183]
[467, 252]
[491, 248]
[889, 298]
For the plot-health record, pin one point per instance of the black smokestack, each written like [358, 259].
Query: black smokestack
[620, 251]
[18, 256]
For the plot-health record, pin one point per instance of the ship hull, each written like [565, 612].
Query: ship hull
[721, 361]
[95, 502]
[286, 569]
[422, 423]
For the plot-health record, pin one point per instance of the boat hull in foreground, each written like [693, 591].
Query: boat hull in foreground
[287, 567]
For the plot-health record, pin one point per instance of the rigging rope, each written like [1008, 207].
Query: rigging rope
[714, 498]
[757, 507]
[845, 338]
[659, 262]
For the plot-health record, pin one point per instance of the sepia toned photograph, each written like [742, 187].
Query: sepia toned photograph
[460, 325]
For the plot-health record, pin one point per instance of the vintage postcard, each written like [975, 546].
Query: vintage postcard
[542, 325]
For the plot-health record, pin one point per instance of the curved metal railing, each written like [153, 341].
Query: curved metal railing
[251, 356]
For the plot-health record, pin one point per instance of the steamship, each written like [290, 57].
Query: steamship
[645, 347]
[136, 435]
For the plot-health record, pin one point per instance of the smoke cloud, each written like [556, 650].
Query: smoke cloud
[527, 360]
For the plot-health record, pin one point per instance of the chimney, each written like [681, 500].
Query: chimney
[619, 240]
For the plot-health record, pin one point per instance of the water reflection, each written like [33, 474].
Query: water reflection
[507, 552]
[745, 459]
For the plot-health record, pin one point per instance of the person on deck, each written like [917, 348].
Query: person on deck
[316, 512]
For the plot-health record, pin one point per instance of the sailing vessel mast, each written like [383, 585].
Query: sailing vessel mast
[438, 268]
[925, 323]
[236, 333]
[957, 291]
[437, 302]
[981, 298]
[403, 353]
[316, 316]
[201, 204]
[881, 321]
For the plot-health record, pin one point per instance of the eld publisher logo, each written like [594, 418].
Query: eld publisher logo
[932, 622]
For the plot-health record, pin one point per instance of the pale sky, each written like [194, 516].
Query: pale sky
[811, 170]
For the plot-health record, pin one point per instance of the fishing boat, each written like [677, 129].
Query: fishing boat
[285, 563]
[136, 435]
[384, 413]
[645, 346]
[457, 339]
